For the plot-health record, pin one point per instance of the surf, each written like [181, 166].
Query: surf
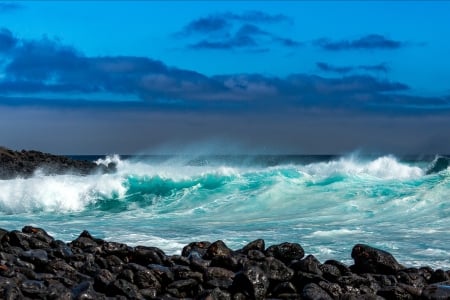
[327, 204]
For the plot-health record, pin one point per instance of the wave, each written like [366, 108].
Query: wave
[146, 183]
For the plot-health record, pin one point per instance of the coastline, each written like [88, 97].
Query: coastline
[36, 266]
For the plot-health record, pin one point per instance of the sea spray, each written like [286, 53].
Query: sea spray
[326, 204]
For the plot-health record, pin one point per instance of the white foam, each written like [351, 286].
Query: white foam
[62, 193]
[385, 167]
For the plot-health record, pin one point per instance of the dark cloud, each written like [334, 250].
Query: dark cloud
[6, 7]
[246, 37]
[224, 31]
[368, 42]
[206, 25]
[47, 67]
[330, 68]
[7, 40]
[325, 67]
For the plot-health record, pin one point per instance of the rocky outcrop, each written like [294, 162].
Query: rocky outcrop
[33, 265]
[25, 163]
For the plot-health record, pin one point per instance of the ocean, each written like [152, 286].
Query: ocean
[325, 203]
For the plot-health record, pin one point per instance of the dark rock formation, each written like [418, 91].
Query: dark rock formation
[25, 163]
[33, 265]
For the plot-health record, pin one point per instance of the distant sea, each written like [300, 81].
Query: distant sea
[325, 203]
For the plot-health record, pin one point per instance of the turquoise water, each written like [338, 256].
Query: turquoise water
[327, 204]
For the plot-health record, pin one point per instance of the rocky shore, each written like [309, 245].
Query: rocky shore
[25, 163]
[33, 265]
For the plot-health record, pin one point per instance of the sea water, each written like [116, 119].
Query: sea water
[327, 204]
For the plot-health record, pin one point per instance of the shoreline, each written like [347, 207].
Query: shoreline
[35, 265]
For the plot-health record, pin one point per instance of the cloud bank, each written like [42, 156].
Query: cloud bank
[46, 68]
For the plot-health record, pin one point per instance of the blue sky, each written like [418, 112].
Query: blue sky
[291, 77]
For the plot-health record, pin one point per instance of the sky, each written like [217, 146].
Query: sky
[287, 77]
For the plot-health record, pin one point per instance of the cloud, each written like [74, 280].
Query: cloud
[7, 40]
[325, 67]
[7, 7]
[225, 31]
[47, 68]
[206, 25]
[367, 42]
[330, 68]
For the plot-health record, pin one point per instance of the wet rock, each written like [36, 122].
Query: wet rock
[284, 288]
[162, 273]
[25, 163]
[102, 280]
[309, 264]
[184, 288]
[371, 260]
[39, 233]
[215, 294]
[123, 287]
[439, 276]
[252, 281]
[437, 291]
[312, 291]
[394, 293]
[183, 272]
[286, 252]
[199, 247]
[36, 257]
[256, 255]
[258, 244]
[217, 248]
[33, 288]
[148, 255]
[18, 239]
[276, 270]
[330, 272]
[218, 277]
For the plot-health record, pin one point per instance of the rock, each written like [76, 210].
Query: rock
[33, 288]
[123, 287]
[276, 270]
[283, 288]
[437, 291]
[25, 163]
[199, 247]
[216, 277]
[309, 264]
[312, 291]
[215, 294]
[371, 260]
[148, 255]
[102, 280]
[253, 281]
[183, 288]
[286, 252]
[439, 276]
[217, 248]
[258, 244]
[36, 257]
[39, 233]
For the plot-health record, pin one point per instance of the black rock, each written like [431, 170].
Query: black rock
[25, 163]
[252, 281]
[184, 288]
[276, 270]
[258, 244]
[199, 247]
[286, 252]
[371, 260]
[217, 248]
[437, 291]
[312, 291]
